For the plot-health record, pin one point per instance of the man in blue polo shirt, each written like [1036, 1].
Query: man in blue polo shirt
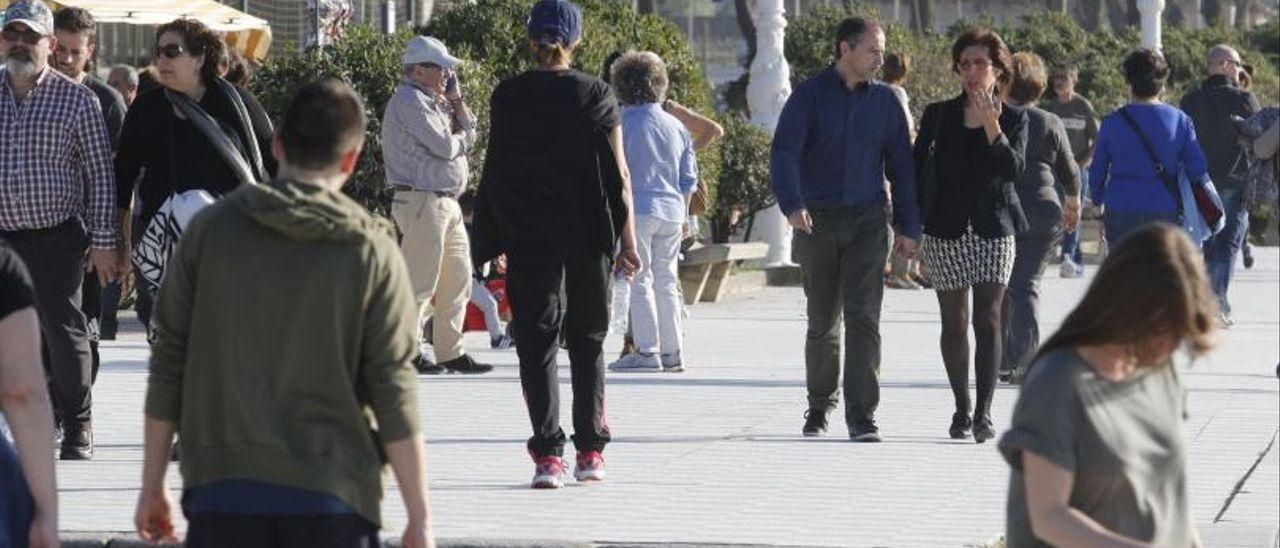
[836, 134]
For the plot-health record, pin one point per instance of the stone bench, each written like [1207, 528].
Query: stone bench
[705, 268]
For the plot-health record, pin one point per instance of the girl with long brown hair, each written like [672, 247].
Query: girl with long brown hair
[1097, 443]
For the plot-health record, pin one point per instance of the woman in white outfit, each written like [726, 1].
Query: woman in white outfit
[664, 173]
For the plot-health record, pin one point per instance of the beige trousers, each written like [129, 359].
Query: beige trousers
[436, 249]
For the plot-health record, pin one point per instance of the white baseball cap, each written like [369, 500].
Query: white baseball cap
[425, 49]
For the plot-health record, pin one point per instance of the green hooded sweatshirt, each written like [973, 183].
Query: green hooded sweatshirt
[284, 334]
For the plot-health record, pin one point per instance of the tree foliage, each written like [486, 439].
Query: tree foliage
[491, 38]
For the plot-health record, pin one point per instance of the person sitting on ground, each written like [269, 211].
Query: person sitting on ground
[481, 297]
[1098, 442]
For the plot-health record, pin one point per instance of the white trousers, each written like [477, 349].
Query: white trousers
[655, 293]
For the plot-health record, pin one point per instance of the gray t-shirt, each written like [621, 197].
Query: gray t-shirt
[1125, 442]
[1080, 121]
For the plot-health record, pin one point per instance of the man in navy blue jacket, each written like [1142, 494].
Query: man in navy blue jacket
[840, 134]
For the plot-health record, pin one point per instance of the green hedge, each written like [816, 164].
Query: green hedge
[489, 35]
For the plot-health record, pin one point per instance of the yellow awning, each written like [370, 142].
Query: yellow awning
[249, 35]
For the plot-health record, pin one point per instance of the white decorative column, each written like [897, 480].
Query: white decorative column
[1151, 10]
[766, 94]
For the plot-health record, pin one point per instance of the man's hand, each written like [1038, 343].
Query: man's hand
[104, 263]
[44, 531]
[686, 231]
[154, 517]
[1071, 213]
[905, 247]
[417, 535]
[800, 220]
[628, 261]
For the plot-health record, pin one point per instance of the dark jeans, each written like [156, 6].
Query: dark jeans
[842, 267]
[56, 258]
[537, 321]
[216, 530]
[1021, 315]
[109, 322]
[91, 305]
[16, 505]
[1122, 223]
[1220, 251]
[1071, 246]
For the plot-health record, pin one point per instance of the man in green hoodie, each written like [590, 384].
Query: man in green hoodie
[284, 343]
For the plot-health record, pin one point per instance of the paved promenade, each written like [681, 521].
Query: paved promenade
[715, 455]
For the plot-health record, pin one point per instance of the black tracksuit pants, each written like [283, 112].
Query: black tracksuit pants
[537, 320]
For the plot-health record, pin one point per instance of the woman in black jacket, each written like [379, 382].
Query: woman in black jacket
[1051, 167]
[162, 142]
[976, 147]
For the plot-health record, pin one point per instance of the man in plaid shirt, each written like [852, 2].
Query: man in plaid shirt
[56, 204]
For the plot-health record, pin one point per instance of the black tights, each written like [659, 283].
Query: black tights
[954, 305]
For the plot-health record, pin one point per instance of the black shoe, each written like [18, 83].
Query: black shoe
[960, 425]
[864, 434]
[815, 423]
[425, 366]
[1247, 251]
[982, 430]
[77, 443]
[464, 364]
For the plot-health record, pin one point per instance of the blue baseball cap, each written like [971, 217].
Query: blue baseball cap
[555, 21]
[32, 13]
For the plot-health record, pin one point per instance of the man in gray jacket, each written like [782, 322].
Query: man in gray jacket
[427, 131]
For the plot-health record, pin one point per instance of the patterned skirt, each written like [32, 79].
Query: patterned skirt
[967, 261]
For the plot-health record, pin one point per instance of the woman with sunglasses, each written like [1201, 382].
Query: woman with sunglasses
[975, 144]
[194, 132]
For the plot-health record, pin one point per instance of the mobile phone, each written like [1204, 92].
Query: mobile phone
[451, 84]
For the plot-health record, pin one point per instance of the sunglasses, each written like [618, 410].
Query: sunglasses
[965, 64]
[30, 37]
[170, 51]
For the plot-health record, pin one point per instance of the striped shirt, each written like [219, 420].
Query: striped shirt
[55, 159]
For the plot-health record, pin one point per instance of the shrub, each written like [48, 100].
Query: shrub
[1054, 36]
[489, 35]
[744, 184]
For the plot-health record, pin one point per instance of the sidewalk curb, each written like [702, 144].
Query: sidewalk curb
[130, 540]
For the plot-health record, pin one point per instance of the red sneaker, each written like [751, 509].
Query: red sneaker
[590, 467]
[548, 473]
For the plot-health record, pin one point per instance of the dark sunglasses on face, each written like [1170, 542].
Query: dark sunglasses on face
[30, 37]
[170, 51]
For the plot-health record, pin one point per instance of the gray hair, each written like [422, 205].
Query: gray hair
[130, 74]
[1220, 53]
[640, 77]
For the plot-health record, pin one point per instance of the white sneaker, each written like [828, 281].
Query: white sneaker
[636, 362]
[671, 363]
[1069, 268]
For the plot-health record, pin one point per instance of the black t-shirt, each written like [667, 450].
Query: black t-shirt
[546, 175]
[153, 133]
[16, 292]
